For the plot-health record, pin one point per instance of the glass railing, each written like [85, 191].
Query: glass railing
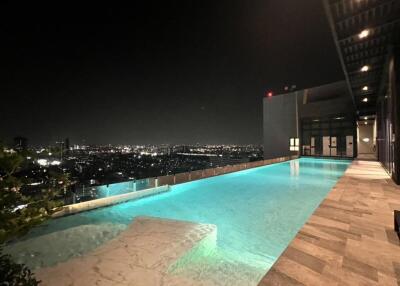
[97, 192]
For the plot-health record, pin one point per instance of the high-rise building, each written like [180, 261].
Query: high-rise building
[20, 143]
[66, 144]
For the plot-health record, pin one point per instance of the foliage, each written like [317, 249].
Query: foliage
[19, 213]
[15, 274]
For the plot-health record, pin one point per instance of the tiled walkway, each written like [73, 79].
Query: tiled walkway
[349, 240]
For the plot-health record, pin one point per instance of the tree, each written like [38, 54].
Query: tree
[19, 213]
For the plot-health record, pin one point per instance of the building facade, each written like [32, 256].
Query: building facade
[317, 121]
[358, 117]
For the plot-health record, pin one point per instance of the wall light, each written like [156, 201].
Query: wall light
[365, 68]
[363, 34]
[365, 88]
[365, 99]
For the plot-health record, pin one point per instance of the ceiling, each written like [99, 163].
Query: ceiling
[364, 31]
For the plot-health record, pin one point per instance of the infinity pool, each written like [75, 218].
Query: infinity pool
[257, 213]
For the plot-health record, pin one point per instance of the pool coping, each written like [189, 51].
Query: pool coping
[349, 239]
[108, 201]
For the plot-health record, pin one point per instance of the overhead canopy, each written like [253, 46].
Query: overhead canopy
[364, 32]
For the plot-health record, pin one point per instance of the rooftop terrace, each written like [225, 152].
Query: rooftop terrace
[349, 240]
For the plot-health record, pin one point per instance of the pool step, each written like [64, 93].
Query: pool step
[219, 267]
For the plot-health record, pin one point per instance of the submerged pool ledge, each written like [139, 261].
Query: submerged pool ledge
[140, 255]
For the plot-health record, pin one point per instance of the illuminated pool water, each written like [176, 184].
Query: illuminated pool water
[257, 213]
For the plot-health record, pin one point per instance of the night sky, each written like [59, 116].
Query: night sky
[178, 72]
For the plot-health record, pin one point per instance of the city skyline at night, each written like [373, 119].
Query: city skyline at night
[183, 142]
[177, 73]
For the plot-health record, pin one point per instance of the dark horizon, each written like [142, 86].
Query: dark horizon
[182, 72]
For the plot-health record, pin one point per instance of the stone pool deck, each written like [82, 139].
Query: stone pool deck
[349, 240]
[141, 255]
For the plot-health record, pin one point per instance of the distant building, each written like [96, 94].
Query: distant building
[66, 144]
[227, 160]
[20, 143]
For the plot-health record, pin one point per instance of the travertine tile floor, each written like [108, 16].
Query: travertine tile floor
[366, 157]
[349, 240]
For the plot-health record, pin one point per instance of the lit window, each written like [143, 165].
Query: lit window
[294, 144]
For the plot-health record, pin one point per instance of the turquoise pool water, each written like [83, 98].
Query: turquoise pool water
[257, 212]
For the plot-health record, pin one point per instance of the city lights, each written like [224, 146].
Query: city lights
[42, 162]
[55, 163]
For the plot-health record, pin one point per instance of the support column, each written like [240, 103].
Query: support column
[394, 82]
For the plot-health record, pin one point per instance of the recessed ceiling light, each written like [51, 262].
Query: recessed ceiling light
[366, 123]
[365, 68]
[363, 34]
[365, 88]
[366, 118]
[365, 99]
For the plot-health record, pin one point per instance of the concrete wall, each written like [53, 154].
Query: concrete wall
[325, 100]
[279, 124]
[325, 108]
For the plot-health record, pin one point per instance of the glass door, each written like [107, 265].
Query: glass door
[326, 146]
[333, 146]
[349, 146]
